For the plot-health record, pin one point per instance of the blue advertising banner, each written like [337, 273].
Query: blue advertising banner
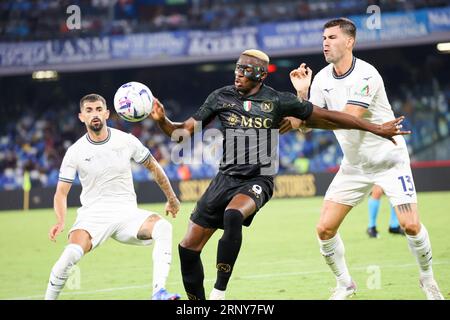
[438, 19]
[208, 43]
[153, 45]
[164, 47]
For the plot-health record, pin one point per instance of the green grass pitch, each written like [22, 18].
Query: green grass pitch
[279, 258]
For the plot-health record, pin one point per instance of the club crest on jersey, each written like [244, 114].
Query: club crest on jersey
[267, 106]
[247, 106]
[365, 90]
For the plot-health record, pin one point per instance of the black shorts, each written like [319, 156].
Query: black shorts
[209, 210]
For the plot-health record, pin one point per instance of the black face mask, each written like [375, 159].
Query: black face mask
[250, 71]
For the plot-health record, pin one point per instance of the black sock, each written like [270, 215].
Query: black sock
[228, 247]
[192, 273]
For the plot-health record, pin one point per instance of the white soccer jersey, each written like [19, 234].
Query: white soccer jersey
[363, 86]
[104, 168]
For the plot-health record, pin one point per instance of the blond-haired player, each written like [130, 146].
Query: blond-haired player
[249, 112]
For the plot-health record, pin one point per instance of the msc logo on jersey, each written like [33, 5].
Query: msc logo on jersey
[267, 106]
[256, 122]
[249, 122]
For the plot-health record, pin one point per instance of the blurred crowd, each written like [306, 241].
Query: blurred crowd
[34, 139]
[37, 144]
[22, 20]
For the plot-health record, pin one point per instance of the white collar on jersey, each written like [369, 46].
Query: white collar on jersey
[99, 142]
[348, 71]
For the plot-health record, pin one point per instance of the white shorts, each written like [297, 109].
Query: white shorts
[121, 224]
[351, 185]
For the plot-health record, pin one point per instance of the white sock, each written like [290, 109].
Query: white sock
[217, 294]
[420, 247]
[333, 251]
[60, 271]
[162, 253]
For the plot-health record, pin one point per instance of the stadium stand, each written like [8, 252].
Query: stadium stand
[37, 139]
[34, 138]
[46, 19]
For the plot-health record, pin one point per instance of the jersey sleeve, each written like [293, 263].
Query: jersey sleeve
[363, 92]
[139, 152]
[290, 105]
[68, 169]
[316, 96]
[208, 110]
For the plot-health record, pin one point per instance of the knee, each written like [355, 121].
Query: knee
[191, 244]
[377, 192]
[155, 227]
[232, 218]
[232, 225]
[165, 225]
[324, 232]
[411, 228]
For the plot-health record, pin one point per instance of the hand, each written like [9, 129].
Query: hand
[55, 231]
[291, 123]
[172, 207]
[158, 113]
[392, 128]
[301, 79]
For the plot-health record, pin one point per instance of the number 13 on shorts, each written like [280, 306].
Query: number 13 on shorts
[407, 183]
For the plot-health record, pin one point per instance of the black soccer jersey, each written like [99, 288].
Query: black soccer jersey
[249, 143]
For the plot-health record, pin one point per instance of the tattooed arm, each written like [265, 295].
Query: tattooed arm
[173, 204]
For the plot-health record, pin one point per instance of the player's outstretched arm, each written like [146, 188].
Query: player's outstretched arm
[167, 126]
[60, 207]
[173, 204]
[328, 119]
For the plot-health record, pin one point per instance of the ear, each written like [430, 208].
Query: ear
[107, 114]
[350, 42]
[263, 76]
[80, 116]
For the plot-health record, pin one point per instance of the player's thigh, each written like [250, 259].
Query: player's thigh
[136, 227]
[208, 211]
[91, 229]
[244, 203]
[250, 196]
[349, 187]
[196, 236]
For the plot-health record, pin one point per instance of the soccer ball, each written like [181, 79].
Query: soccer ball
[133, 101]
